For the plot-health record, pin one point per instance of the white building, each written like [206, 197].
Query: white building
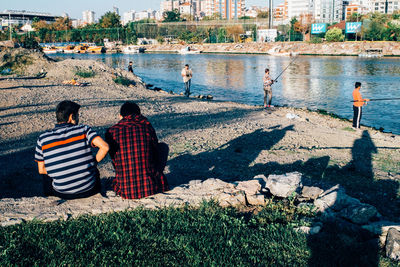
[142, 15]
[88, 17]
[329, 11]
[383, 6]
[128, 17]
[299, 7]
[116, 10]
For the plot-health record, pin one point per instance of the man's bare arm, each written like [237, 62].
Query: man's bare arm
[103, 148]
[41, 167]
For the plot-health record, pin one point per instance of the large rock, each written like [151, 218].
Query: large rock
[311, 192]
[256, 200]
[393, 244]
[251, 187]
[381, 229]
[359, 213]
[284, 185]
[334, 198]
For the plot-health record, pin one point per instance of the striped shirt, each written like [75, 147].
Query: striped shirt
[67, 156]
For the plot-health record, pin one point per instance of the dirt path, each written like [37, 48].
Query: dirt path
[208, 139]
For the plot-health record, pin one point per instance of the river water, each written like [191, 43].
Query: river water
[314, 82]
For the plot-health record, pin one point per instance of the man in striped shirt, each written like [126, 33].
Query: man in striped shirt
[64, 156]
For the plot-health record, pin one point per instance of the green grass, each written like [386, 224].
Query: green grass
[349, 129]
[386, 163]
[85, 74]
[123, 81]
[208, 235]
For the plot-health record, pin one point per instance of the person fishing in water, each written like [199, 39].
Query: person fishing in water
[267, 82]
[359, 102]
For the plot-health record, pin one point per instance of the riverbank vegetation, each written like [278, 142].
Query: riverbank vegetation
[376, 27]
[208, 235]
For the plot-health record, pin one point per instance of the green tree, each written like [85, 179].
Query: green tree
[221, 38]
[262, 15]
[172, 16]
[334, 35]
[355, 17]
[110, 20]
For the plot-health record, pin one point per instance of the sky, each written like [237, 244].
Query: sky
[74, 8]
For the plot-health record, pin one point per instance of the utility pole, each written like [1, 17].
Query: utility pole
[9, 24]
[270, 15]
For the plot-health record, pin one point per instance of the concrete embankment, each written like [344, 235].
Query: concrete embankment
[285, 48]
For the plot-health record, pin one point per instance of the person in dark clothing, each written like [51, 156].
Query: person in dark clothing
[130, 66]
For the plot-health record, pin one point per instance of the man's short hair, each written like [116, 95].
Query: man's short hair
[130, 62]
[65, 109]
[129, 108]
[266, 70]
[187, 65]
[358, 84]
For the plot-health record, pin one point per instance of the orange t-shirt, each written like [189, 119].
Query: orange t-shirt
[358, 100]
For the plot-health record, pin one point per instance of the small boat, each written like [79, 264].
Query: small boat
[187, 50]
[49, 50]
[69, 49]
[96, 49]
[133, 49]
[80, 49]
[371, 53]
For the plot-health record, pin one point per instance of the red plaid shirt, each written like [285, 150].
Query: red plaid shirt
[133, 150]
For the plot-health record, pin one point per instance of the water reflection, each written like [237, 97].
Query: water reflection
[314, 82]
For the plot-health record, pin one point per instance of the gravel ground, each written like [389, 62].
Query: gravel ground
[208, 139]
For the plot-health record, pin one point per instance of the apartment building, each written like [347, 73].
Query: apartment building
[384, 6]
[88, 17]
[229, 9]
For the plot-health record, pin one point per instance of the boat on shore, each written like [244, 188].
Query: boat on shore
[188, 50]
[132, 49]
[371, 53]
[50, 50]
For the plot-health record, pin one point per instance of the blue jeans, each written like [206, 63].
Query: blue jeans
[187, 87]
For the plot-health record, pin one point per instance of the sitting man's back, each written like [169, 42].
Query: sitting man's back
[64, 156]
[138, 158]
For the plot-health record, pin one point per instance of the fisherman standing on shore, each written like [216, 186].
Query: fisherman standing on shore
[357, 106]
[267, 82]
[130, 66]
[187, 75]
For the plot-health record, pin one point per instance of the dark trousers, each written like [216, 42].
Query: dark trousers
[162, 158]
[48, 189]
[357, 113]
[187, 87]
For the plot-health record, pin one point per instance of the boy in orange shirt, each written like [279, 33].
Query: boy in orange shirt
[357, 106]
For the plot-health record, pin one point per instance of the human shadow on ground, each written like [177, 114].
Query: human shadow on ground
[228, 162]
[340, 243]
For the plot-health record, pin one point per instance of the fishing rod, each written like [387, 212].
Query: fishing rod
[286, 68]
[378, 99]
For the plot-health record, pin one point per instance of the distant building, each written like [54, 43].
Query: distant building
[142, 15]
[329, 11]
[295, 8]
[116, 10]
[281, 13]
[88, 17]
[128, 17]
[384, 6]
[16, 17]
[229, 9]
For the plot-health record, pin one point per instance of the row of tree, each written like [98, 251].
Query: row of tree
[376, 27]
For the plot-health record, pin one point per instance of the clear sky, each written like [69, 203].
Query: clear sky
[74, 8]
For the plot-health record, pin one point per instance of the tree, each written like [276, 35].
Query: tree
[172, 16]
[262, 14]
[303, 25]
[110, 20]
[234, 31]
[355, 17]
[334, 35]
[41, 24]
[62, 24]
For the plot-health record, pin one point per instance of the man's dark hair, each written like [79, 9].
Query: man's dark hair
[130, 62]
[129, 108]
[65, 109]
[187, 65]
[266, 70]
[358, 84]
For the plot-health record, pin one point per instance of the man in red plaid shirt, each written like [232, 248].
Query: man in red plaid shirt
[139, 160]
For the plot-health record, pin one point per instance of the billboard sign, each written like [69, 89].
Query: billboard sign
[317, 28]
[353, 27]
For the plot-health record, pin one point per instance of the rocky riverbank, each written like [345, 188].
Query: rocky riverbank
[287, 48]
[208, 139]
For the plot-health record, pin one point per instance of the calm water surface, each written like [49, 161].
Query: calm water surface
[313, 82]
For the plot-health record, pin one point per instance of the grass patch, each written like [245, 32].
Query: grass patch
[85, 74]
[123, 81]
[349, 129]
[208, 235]
[386, 163]
[330, 114]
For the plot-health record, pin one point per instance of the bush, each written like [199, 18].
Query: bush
[85, 74]
[123, 81]
[316, 40]
[334, 35]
